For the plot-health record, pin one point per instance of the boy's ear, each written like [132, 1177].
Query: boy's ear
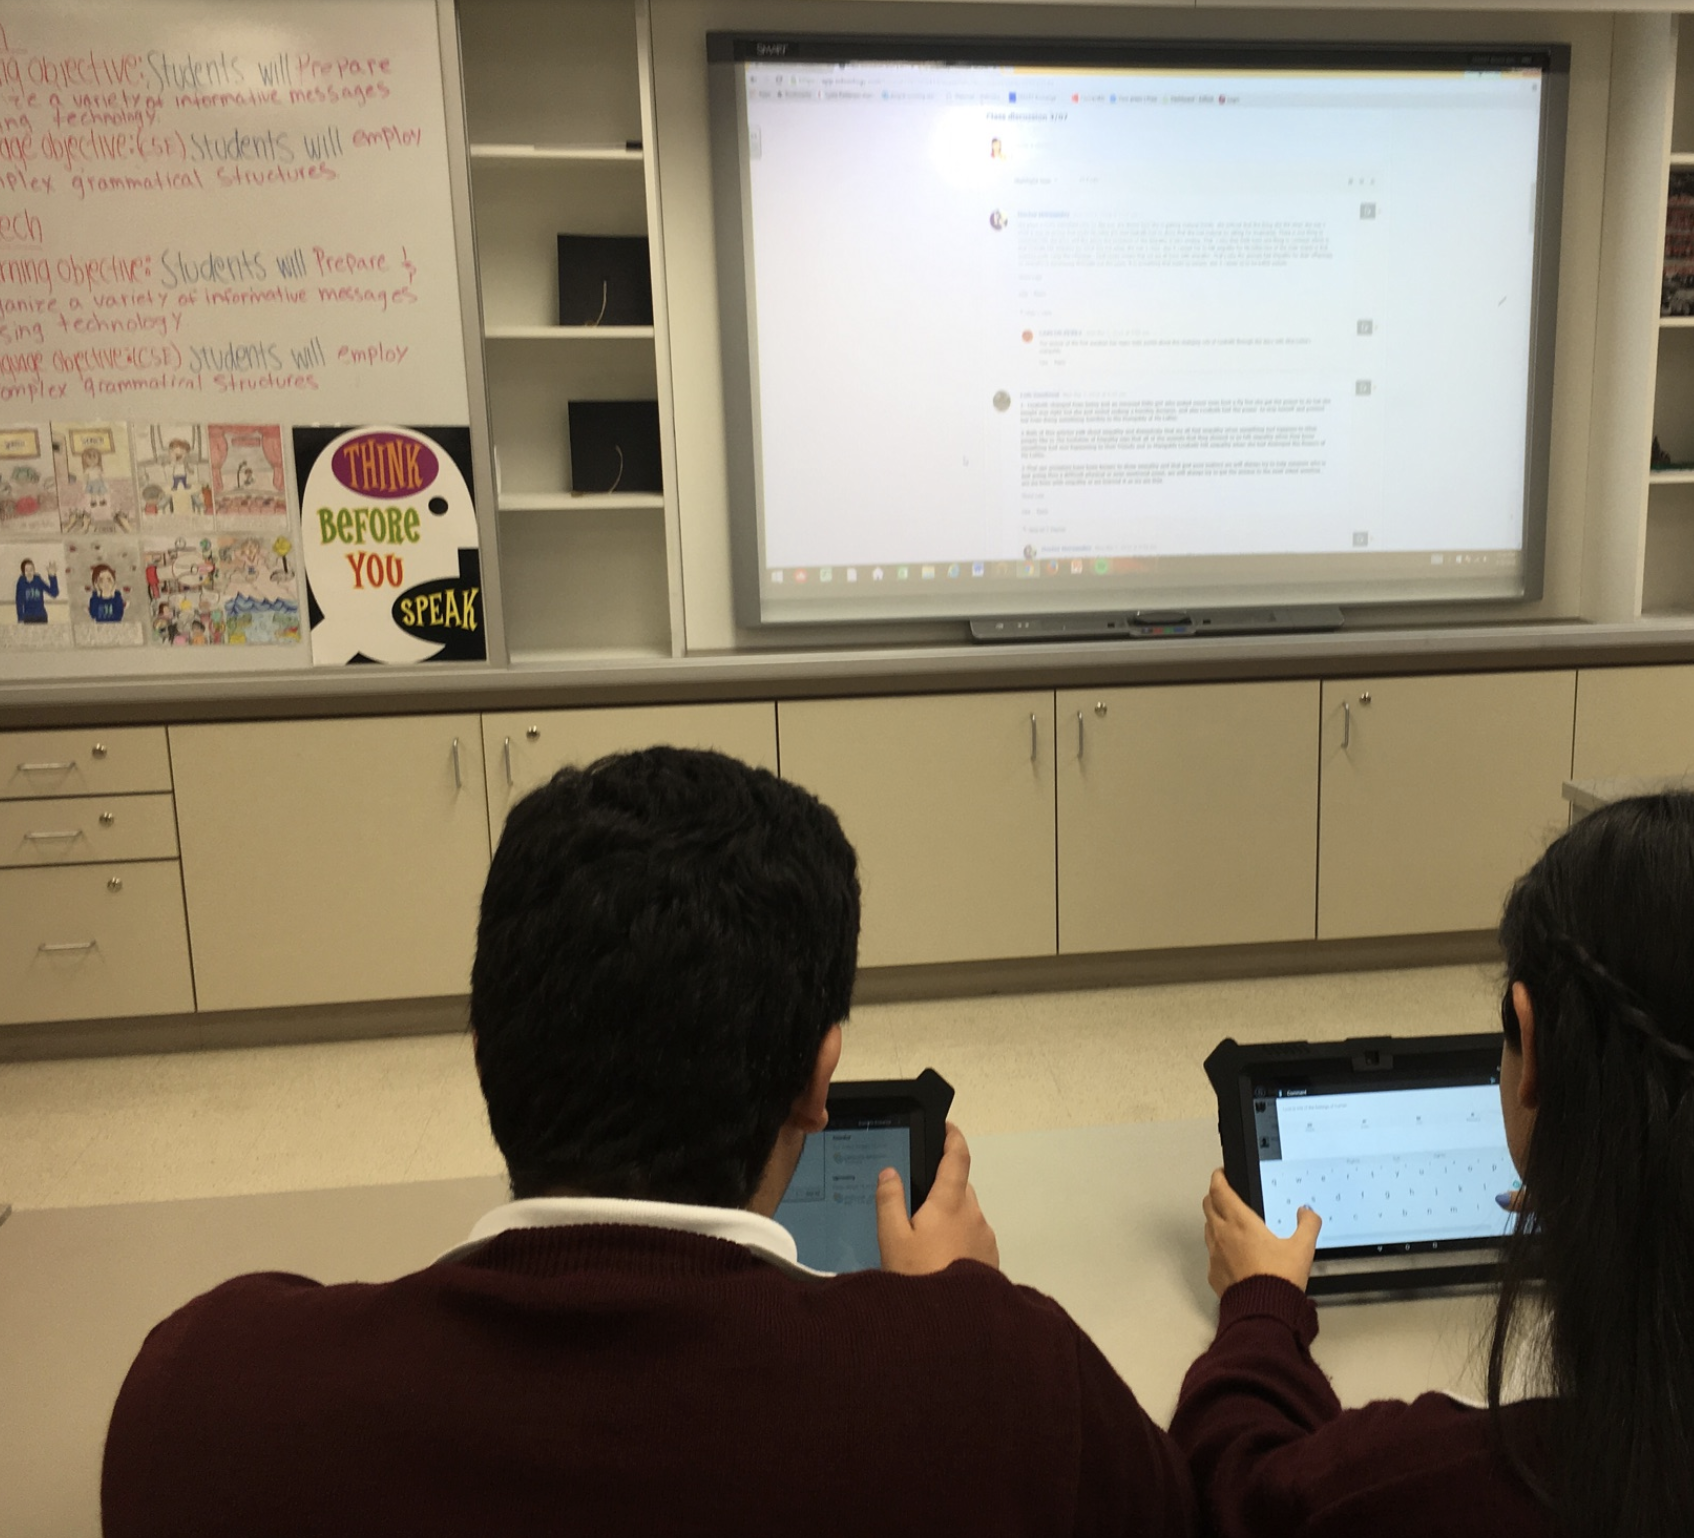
[811, 1107]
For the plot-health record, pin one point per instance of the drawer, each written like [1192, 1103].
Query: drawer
[81, 830]
[87, 761]
[93, 940]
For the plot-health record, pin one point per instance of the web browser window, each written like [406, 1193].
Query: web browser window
[830, 1204]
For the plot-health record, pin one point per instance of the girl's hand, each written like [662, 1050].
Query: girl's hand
[1240, 1245]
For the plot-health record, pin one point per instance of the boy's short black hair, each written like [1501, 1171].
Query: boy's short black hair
[665, 939]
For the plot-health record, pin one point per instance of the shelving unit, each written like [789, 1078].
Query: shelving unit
[568, 333]
[559, 130]
[1667, 581]
[578, 501]
[526, 154]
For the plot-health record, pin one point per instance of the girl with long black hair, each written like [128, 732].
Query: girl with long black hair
[1596, 1301]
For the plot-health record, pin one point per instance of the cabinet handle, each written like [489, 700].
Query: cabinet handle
[1079, 737]
[458, 775]
[69, 945]
[1034, 740]
[506, 753]
[1346, 726]
[53, 835]
[52, 768]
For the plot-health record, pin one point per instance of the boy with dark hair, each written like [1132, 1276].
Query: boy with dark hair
[665, 956]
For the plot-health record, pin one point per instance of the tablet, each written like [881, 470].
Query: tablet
[830, 1204]
[1398, 1144]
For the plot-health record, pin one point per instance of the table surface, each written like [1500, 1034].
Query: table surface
[1105, 1219]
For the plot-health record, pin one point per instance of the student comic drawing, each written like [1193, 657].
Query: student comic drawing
[29, 487]
[247, 473]
[34, 590]
[184, 600]
[96, 477]
[172, 472]
[105, 592]
[260, 590]
[39, 614]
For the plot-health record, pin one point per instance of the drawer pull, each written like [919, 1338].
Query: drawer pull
[61, 767]
[67, 946]
[99, 750]
[53, 834]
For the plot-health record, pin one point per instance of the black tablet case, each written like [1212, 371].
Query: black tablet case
[604, 280]
[1230, 1061]
[929, 1093]
[615, 446]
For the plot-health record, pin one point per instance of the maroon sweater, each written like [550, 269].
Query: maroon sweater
[1273, 1452]
[622, 1380]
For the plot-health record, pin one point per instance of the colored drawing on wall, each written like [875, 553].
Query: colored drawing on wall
[261, 591]
[184, 604]
[38, 613]
[96, 477]
[172, 474]
[29, 486]
[106, 592]
[247, 472]
[388, 530]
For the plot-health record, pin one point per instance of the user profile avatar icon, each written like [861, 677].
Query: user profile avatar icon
[1029, 552]
[1002, 401]
[997, 220]
[1029, 336]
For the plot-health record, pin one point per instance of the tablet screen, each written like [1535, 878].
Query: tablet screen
[1384, 1168]
[830, 1204]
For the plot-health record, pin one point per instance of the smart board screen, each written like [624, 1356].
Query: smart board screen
[1029, 335]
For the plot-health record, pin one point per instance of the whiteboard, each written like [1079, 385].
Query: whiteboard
[215, 221]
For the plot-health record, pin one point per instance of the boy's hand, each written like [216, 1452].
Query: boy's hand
[948, 1227]
[1240, 1245]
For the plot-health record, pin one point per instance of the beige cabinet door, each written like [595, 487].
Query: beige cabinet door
[1187, 815]
[523, 749]
[949, 801]
[93, 942]
[1633, 721]
[1437, 793]
[329, 861]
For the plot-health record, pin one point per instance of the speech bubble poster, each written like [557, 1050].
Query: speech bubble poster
[388, 527]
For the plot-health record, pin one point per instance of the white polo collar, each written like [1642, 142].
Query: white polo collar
[765, 1237]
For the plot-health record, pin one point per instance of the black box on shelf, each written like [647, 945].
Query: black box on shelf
[604, 280]
[615, 446]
